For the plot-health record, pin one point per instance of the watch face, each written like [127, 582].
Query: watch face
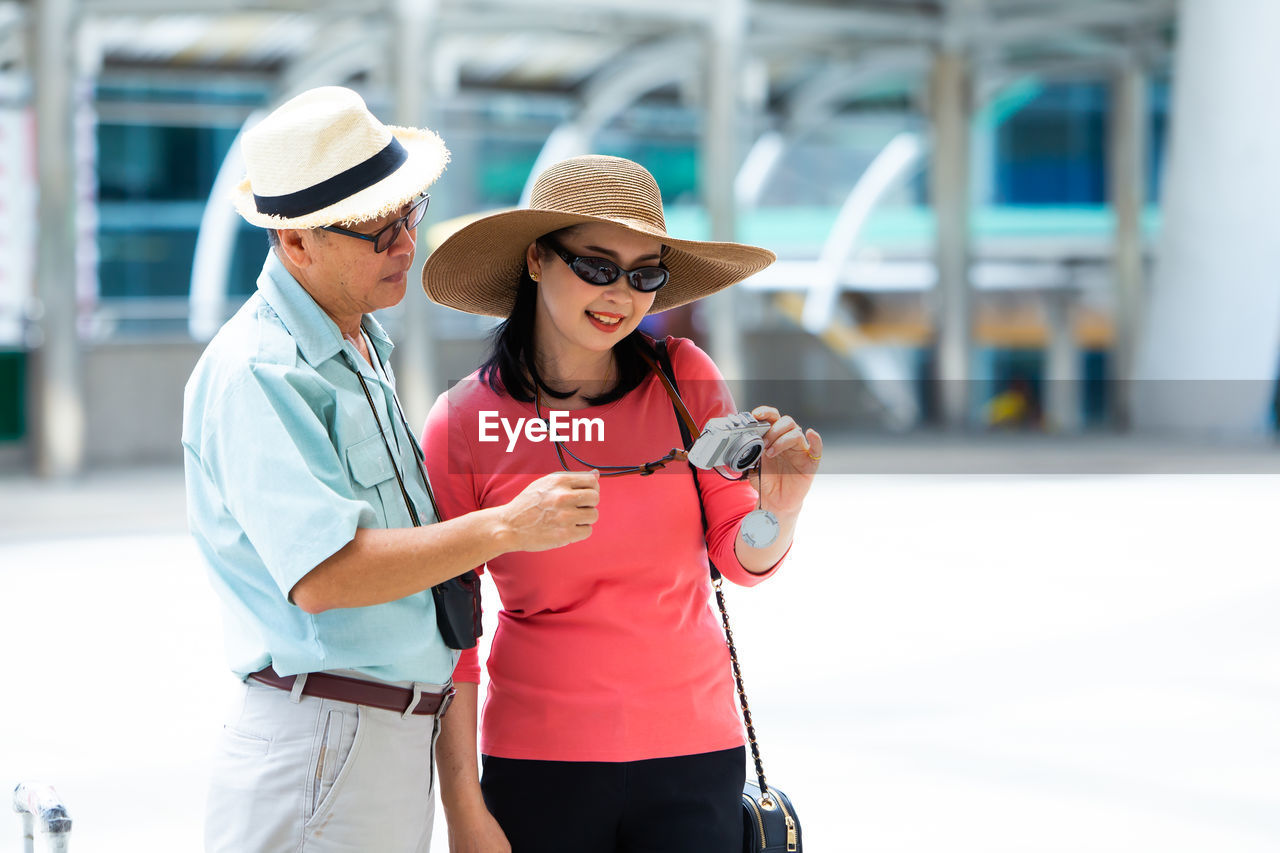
[760, 528]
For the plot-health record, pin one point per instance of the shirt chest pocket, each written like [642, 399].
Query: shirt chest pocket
[374, 479]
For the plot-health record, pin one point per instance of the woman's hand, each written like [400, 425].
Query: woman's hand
[791, 457]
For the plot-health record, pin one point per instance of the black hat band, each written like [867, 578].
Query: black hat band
[333, 190]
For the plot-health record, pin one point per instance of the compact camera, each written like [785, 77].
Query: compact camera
[734, 442]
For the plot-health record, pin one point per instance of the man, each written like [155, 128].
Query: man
[305, 493]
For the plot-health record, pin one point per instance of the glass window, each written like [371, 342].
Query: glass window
[1053, 150]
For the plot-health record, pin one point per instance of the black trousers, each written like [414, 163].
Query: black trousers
[686, 804]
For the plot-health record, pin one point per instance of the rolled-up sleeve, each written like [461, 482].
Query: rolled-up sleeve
[267, 452]
[726, 502]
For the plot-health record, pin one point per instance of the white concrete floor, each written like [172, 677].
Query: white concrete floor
[961, 662]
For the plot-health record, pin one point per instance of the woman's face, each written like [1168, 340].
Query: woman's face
[574, 317]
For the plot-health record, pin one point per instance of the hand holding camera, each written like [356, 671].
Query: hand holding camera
[788, 463]
[769, 444]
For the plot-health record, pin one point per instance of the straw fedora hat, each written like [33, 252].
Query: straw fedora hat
[322, 158]
[478, 267]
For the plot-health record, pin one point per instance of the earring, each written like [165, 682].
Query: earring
[533, 276]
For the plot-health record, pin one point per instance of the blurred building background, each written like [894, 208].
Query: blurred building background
[1025, 218]
[1047, 215]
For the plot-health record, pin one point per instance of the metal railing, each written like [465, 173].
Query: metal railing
[43, 816]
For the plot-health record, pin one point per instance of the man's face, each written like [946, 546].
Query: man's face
[348, 277]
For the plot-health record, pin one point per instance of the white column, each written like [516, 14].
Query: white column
[1210, 345]
[56, 372]
[722, 134]
[1127, 170]
[949, 194]
[417, 376]
[1062, 363]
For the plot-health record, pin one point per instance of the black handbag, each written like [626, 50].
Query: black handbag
[769, 821]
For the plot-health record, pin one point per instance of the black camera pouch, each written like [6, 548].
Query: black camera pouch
[458, 610]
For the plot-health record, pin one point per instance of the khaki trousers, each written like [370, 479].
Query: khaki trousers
[298, 773]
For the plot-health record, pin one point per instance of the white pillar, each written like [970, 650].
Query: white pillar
[1210, 345]
[950, 107]
[1062, 363]
[721, 136]
[57, 383]
[418, 380]
[1127, 170]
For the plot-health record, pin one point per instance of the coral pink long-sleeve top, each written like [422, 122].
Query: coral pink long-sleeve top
[608, 649]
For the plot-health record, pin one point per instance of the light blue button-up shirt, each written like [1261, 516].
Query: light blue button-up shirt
[284, 461]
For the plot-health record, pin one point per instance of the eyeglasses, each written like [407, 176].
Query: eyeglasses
[384, 237]
[602, 271]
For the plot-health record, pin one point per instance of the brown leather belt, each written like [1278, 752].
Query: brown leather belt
[402, 700]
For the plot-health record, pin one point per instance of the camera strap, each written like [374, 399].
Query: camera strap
[688, 426]
[456, 600]
[391, 456]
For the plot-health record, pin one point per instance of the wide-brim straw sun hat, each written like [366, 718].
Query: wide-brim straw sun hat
[322, 158]
[478, 267]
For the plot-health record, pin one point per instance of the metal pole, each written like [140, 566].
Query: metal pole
[949, 192]
[719, 161]
[1062, 363]
[56, 371]
[414, 51]
[1127, 175]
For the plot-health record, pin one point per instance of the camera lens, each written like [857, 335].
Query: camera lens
[748, 455]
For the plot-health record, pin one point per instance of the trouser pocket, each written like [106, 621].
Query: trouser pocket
[336, 744]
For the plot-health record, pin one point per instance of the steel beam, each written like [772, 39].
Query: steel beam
[613, 91]
[1060, 19]
[848, 22]
[820, 98]
[215, 242]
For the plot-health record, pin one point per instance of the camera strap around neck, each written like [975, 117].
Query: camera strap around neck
[688, 426]
[391, 455]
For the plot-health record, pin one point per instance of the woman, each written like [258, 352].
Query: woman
[610, 721]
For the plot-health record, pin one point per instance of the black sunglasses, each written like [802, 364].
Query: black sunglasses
[602, 271]
[388, 234]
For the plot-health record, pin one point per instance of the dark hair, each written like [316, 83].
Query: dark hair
[511, 367]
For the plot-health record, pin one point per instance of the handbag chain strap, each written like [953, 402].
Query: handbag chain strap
[668, 376]
[742, 692]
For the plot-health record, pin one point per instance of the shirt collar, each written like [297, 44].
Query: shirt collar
[378, 336]
[317, 335]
